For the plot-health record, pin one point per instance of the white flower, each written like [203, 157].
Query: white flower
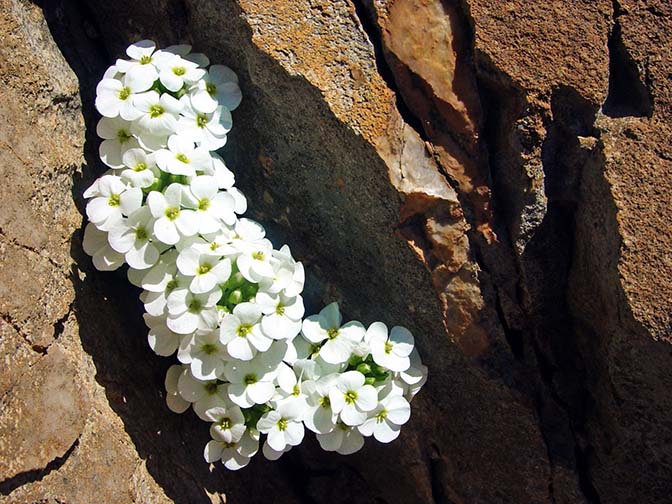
[95, 243]
[140, 71]
[255, 260]
[415, 376]
[172, 222]
[207, 269]
[133, 238]
[203, 395]
[282, 315]
[159, 114]
[218, 244]
[385, 421]
[113, 200]
[207, 130]
[228, 424]
[241, 332]
[212, 206]
[160, 281]
[174, 400]
[290, 274]
[282, 426]
[251, 382]
[218, 87]
[290, 391]
[343, 439]
[162, 340]
[175, 72]
[188, 311]
[156, 278]
[352, 398]
[339, 341]
[141, 171]
[117, 139]
[114, 98]
[319, 416]
[250, 231]
[391, 352]
[205, 354]
[182, 158]
[234, 456]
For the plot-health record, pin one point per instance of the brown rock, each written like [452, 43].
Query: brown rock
[42, 416]
[492, 175]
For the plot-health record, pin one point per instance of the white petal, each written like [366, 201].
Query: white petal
[261, 392]
[176, 404]
[238, 394]
[331, 441]
[294, 433]
[248, 313]
[350, 415]
[331, 316]
[351, 380]
[386, 432]
[213, 451]
[140, 49]
[367, 398]
[280, 327]
[352, 442]
[165, 230]
[187, 222]
[191, 389]
[312, 329]
[354, 331]
[270, 453]
[337, 350]
[240, 348]
[398, 410]
[184, 323]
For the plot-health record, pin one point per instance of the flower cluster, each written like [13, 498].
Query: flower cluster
[215, 290]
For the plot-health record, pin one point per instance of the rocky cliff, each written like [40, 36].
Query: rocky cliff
[493, 175]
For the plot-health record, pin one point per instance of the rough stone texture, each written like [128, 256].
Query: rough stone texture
[491, 174]
[60, 440]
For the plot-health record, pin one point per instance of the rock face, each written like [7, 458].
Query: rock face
[493, 175]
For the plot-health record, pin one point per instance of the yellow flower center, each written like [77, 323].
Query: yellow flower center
[172, 213]
[156, 111]
[124, 93]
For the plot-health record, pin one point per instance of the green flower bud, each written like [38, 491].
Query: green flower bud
[354, 360]
[235, 297]
[364, 368]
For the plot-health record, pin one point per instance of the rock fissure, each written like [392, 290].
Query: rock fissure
[9, 485]
[33, 250]
[33, 346]
[629, 86]
[364, 16]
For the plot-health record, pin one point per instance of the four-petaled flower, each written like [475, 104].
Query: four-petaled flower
[339, 341]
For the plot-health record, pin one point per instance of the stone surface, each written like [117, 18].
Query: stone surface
[491, 174]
